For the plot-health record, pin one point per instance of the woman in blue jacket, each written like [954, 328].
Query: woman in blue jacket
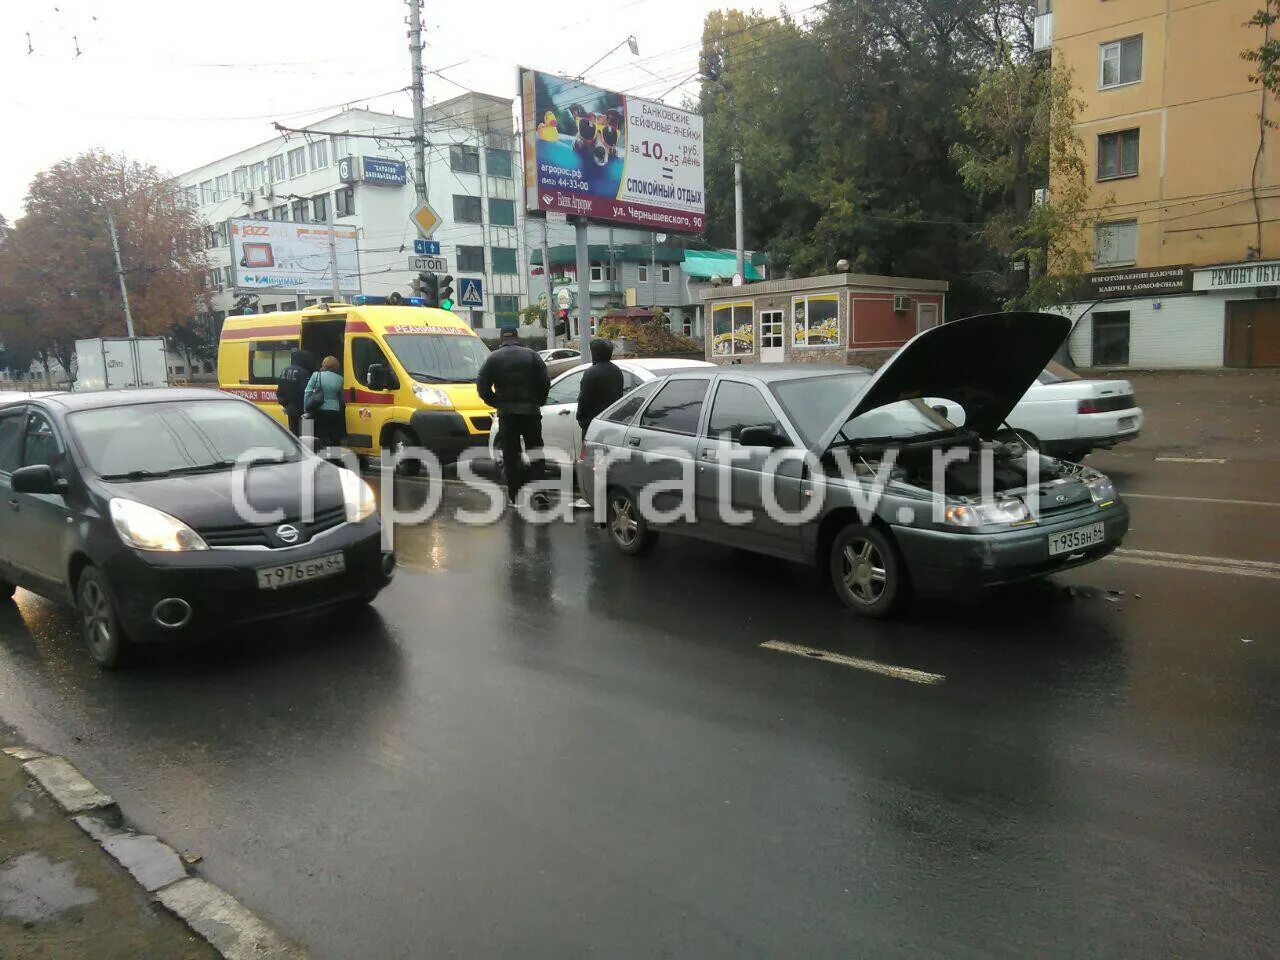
[330, 424]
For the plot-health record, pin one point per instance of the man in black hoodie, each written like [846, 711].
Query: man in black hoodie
[601, 384]
[514, 381]
[290, 385]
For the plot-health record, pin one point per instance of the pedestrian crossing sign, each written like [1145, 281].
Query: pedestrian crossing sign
[471, 293]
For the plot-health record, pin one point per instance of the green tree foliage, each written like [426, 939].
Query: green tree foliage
[1266, 56]
[848, 126]
[57, 274]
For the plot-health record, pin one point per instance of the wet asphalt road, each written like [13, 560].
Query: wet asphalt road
[533, 746]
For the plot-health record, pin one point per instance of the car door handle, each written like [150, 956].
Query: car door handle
[634, 441]
[564, 413]
[13, 505]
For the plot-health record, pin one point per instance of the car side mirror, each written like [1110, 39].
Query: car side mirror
[37, 478]
[761, 437]
[379, 376]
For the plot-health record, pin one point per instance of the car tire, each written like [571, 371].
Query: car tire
[628, 530]
[400, 440]
[867, 571]
[7, 589]
[99, 623]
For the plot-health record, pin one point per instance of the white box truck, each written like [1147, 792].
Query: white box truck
[114, 363]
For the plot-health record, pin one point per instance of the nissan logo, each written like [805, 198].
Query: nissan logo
[287, 533]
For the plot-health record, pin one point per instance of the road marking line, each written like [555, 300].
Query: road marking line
[1164, 496]
[871, 666]
[1200, 567]
[1190, 460]
[1194, 558]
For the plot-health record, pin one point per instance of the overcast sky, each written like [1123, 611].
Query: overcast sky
[181, 84]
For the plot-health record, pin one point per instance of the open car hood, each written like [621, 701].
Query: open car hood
[984, 363]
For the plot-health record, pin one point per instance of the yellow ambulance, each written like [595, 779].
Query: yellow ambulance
[409, 370]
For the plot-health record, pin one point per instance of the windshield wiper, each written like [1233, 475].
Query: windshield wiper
[204, 467]
[430, 377]
[136, 475]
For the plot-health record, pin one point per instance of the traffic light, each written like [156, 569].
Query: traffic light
[444, 292]
[429, 288]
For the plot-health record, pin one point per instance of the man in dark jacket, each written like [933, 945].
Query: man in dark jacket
[290, 385]
[514, 381]
[601, 384]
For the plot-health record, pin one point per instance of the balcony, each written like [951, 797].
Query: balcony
[1043, 38]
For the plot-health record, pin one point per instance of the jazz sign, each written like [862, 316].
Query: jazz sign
[606, 156]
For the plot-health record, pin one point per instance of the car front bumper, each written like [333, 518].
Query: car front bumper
[221, 589]
[449, 431]
[942, 562]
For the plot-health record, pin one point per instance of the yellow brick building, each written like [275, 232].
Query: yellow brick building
[1185, 178]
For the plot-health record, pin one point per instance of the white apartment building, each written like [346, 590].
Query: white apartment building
[473, 182]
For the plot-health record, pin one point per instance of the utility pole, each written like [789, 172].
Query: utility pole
[419, 118]
[737, 217]
[653, 269]
[124, 292]
[333, 251]
[584, 286]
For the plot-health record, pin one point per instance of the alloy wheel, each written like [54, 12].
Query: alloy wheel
[624, 526]
[98, 619]
[863, 570]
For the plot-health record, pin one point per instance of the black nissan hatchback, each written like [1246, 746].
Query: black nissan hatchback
[162, 513]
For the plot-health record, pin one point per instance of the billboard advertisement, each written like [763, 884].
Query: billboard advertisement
[608, 156]
[281, 255]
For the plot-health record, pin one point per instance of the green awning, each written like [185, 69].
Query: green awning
[705, 264]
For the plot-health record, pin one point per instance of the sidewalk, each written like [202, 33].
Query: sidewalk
[62, 897]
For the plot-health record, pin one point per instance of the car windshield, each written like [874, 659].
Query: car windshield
[896, 421]
[812, 403]
[1057, 373]
[439, 358]
[162, 439]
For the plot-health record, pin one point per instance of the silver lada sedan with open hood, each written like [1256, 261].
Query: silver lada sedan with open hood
[855, 472]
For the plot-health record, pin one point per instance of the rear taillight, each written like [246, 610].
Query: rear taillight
[1087, 406]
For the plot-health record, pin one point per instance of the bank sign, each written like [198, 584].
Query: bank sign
[594, 153]
[1258, 273]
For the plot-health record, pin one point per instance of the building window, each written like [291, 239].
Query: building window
[206, 192]
[1120, 62]
[732, 330]
[261, 215]
[257, 175]
[464, 158]
[507, 309]
[498, 163]
[815, 321]
[320, 207]
[1111, 339]
[240, 179]
[340, 147]
[504, 260]
[281, 212]
[319, 154]
[601, 271]
[470, 259]
[344, 202]
[1118, 154]
[222, 186]
[466, 209]
[1115, 244]
[665, 272]
[300, 211]
[275, 166]
[642, 273]
[297, 162]
[502, 213]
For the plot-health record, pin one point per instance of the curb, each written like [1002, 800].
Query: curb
[212, 913]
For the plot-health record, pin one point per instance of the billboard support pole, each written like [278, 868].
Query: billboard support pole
[584, 286]
[124, 291]
[546, 276]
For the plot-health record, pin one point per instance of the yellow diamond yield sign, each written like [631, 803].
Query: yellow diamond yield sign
[425, 219]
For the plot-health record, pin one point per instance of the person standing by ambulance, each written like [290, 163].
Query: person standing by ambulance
[514, 381]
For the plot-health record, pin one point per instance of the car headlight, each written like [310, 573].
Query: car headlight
[357, 496]
[433, 396]
[146, 528]
[983, 514]
[1101, 489]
